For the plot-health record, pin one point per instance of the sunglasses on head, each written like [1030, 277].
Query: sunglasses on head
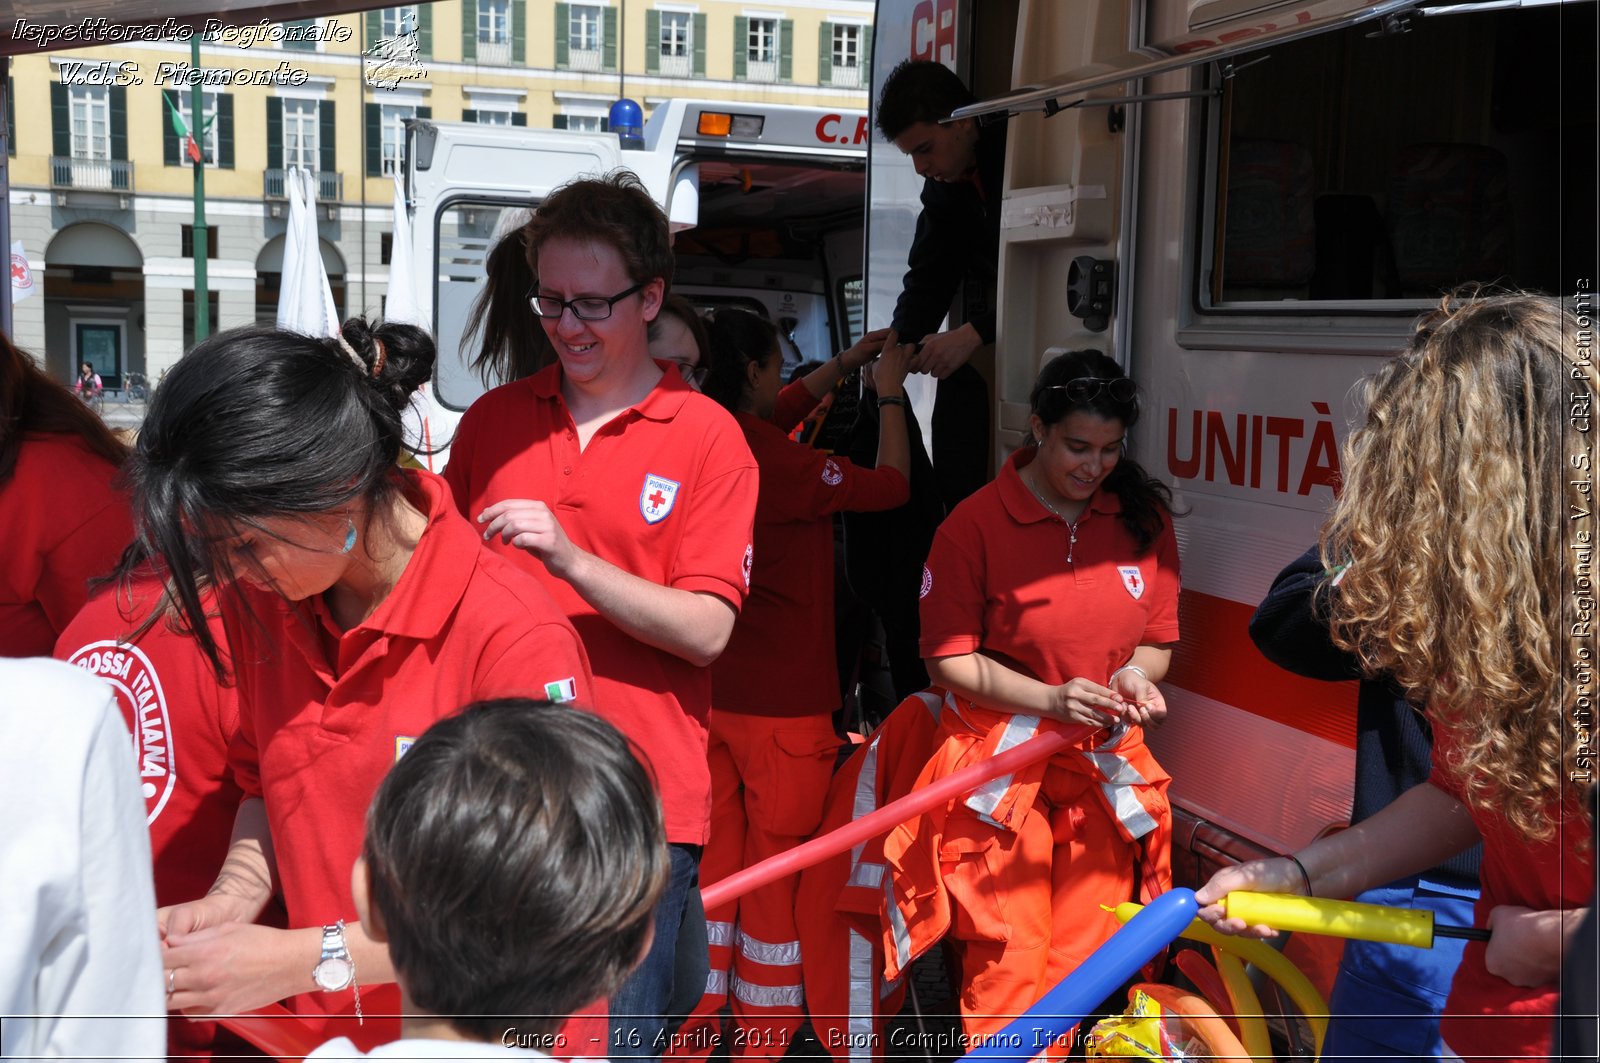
[1089, 388]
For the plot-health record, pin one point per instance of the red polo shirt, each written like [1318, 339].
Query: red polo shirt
[997, 578]
[323, 714]
[781, 660]
[667, 491]
[64, 524]
[1485, 1016]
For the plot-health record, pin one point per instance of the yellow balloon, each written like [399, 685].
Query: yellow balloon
[1345, 919]
[1264, 956]
[1246, 1007]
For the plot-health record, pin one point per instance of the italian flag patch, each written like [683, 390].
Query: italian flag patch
[562, 690]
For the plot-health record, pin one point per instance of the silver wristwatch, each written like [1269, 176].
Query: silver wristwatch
[336, 970]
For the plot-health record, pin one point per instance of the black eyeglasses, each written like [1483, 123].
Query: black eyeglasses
[584, 308]
[1089, 388]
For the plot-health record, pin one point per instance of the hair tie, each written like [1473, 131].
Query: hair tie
[383, 356]
[351, 351]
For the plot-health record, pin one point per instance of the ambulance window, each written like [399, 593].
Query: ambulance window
[853, 298]
[1358, 167]
[463, 240]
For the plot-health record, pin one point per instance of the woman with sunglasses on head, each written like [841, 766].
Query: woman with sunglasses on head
[1050, 599]
[357, 606]
[775, 688]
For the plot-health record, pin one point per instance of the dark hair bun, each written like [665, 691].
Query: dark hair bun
[406, 359]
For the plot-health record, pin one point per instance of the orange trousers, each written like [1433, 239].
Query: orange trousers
[1026, 905]
[769, 781]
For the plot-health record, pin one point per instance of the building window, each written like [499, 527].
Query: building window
[677, 43]
[847, 58]
[585, 123]
[482, 116]
[584, 37]
[395, 21]
[208, 138]
[494, 32]
[213, 311]
[91, 122]
[761, 49]
[300, 142]
[188, 241]
[300, 35]
[385, 248]
[393, 121]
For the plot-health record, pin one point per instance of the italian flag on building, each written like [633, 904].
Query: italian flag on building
[190, 148]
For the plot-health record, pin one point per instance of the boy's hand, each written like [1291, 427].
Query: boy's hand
[530, 525]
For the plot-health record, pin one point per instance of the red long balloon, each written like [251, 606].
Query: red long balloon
[275, 1030]
[894, 813]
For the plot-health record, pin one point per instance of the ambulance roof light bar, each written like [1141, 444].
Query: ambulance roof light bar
[724, 124]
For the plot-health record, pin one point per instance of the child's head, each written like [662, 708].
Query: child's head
[513, 860]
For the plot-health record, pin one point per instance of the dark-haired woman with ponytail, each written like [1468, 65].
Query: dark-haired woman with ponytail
[61, 519]
[775, 688]
[359, 608]
[1050, 598]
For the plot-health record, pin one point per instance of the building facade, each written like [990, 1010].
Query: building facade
[102, 189]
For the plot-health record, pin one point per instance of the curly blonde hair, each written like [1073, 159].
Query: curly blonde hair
[1455, 518]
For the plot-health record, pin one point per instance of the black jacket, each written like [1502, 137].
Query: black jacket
[1394, 744]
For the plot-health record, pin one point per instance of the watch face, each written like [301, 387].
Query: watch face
[333, 974]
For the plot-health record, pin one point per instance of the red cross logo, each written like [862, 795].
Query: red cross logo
[658, 499]
[1132, 580]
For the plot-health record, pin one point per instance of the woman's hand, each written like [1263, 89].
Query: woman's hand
[890, 370]
[1279, 875]
[531, 525]
[237, 967]
[1143, 703]
[1525, 945]
[1083, 701]
[212, 910]
[864, 350]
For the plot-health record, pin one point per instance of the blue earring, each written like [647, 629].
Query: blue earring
[349, 537]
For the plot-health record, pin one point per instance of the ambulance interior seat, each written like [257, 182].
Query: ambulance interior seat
[1269, 239]
[1449, 217]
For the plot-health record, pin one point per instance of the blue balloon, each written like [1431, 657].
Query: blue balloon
[1106, 969]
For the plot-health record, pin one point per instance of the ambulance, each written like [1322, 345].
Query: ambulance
[766, 203]
[1247, 203]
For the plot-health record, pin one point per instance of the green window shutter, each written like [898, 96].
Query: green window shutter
[274, 133]
[119, 123]
[469, 31]
[518, 118]
[171, 150]
[60, 120]
[374, 27]
[11, 117]
[866, 56]
[425, 30]
[374, 139]
[425, 113]
[786, 49]
[518, 14]
[469, 115]
[741, 48]
[699, 46]
[563, 36]
[608, 39]
[825, 54]
[652, 41]
[329, 161]
[560, 120]
[225, 130]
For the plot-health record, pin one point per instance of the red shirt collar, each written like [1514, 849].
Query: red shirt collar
[1021, 503]
[661, 404]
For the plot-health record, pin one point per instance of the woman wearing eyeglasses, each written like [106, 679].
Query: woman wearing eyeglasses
[678, 336]
[1049, 600]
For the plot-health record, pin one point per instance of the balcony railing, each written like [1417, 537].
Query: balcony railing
[494, 53]
[94, 175]
[583, 59]
[846, 77]
[762, 70]
[677, 66]
[330, 186]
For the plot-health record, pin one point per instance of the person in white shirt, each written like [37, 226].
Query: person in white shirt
[513, 859]
[80, 965]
